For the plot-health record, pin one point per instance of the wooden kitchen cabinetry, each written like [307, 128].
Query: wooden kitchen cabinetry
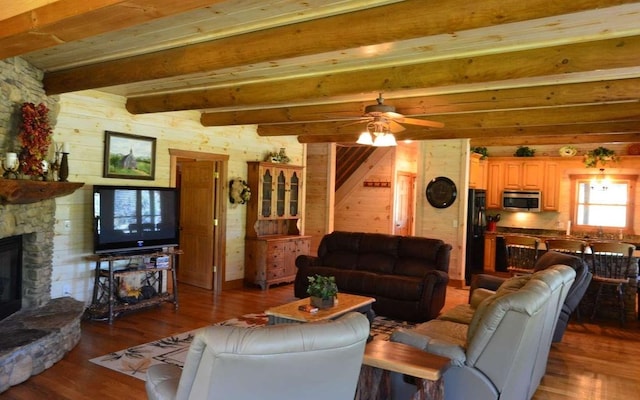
[514, 173]
[489, 252]
[495, 183]
[273, 239]
[523, 175]
[551, 186]
[477, 171]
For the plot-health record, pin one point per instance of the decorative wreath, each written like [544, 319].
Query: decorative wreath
[239, 191]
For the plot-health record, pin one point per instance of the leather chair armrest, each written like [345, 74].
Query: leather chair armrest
[485, 281]
[478, 295]
[303, 261]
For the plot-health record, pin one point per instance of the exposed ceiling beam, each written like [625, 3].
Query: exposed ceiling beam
[511, 133]
[551, 62]
[502, 99]
[357, 29]
[470, 121]
[65, 21]
[556, 139]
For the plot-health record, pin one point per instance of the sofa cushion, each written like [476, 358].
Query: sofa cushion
[417, 255]
[378, 253]
[340, 249]
[393, 286]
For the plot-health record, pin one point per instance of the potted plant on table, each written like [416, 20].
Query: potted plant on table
[323, 290]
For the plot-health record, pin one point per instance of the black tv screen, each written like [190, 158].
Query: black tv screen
[134, 218]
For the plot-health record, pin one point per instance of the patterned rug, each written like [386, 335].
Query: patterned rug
[135, 361]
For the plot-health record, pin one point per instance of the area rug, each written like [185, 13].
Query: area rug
[135, 361]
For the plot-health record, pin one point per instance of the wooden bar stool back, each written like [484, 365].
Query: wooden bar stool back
[522, 253]
[569, 246]
[611, 265]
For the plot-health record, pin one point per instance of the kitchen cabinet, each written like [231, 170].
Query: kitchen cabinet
[514, 173]
[551, 186]
[489, 252]
[273, 239]
[477, 171]
[495, 183]
[523, 175]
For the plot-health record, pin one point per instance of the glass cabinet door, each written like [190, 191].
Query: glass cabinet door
[267, 184]
[294, 194]
[281, 185]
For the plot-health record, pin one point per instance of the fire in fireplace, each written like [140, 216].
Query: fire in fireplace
[10, 275]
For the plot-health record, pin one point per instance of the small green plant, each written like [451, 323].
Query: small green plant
[481, 150]
[524, 151]
[323, 287]
[600, 155]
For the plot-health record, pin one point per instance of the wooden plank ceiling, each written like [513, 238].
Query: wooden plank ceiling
[501, 72]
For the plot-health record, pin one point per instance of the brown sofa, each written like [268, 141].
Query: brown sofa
[406, 275]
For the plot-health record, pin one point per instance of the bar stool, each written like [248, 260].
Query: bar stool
[569, 246]
[611, 265]
[522, 253]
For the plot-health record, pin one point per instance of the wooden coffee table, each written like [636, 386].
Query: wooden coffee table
[289, 313]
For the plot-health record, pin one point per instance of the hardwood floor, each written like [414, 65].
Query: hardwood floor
[593, 362]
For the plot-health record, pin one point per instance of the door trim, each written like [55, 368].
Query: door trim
[220, 206]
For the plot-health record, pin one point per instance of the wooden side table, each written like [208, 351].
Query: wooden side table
[382, 356]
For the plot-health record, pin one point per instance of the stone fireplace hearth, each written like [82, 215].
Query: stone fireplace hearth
[44, 330]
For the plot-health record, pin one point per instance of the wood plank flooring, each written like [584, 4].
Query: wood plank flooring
[595, 361]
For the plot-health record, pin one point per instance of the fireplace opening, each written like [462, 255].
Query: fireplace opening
[10, 275]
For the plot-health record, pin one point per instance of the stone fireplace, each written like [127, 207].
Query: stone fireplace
[44, 330]
[10, 275]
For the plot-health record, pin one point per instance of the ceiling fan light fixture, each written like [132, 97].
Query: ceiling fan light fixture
[365, 138]
[385, 140]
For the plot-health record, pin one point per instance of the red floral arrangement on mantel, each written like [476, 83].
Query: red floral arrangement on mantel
[35, 136]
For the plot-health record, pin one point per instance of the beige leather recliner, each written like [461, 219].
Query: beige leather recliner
[318, 360]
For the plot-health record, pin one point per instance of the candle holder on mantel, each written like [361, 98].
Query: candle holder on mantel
[63, 172]
[10, 165]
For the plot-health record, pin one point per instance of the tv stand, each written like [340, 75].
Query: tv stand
[108, 301]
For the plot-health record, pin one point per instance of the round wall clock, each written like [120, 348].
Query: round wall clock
[441, 192]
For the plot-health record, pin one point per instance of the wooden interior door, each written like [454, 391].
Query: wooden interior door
[404, 200]
[197, 223]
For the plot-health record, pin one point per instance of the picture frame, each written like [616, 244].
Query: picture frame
[128, 156]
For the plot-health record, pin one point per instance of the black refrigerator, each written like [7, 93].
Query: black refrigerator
[476, 225]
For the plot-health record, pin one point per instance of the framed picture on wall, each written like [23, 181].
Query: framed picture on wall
[129, 156]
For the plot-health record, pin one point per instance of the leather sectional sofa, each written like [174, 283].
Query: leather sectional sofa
[406, 275]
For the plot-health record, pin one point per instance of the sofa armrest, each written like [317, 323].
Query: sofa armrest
[303, 261]
[478, 295]
[485, 281]
[436, 346]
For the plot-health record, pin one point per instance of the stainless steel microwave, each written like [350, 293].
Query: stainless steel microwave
[522, 200]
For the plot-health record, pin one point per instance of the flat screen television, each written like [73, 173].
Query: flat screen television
[130, 219]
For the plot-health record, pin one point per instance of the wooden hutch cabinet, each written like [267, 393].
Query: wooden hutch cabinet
[273, 239]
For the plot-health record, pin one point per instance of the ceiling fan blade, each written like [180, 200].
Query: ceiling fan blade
[421, 122]
[395, 127]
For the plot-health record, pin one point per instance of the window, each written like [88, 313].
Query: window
[603, 202]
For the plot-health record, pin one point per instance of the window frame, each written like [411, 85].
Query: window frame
[617, 178]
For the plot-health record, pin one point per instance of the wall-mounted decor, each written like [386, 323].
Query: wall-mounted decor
[376, 184]
[129, 156]
[441, 192]
[239, 191]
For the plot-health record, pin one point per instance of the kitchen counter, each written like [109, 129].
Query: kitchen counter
[550, 234]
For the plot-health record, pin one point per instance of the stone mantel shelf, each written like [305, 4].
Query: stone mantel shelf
[19, 191]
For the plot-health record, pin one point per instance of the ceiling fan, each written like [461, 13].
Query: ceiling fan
[383, 121]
